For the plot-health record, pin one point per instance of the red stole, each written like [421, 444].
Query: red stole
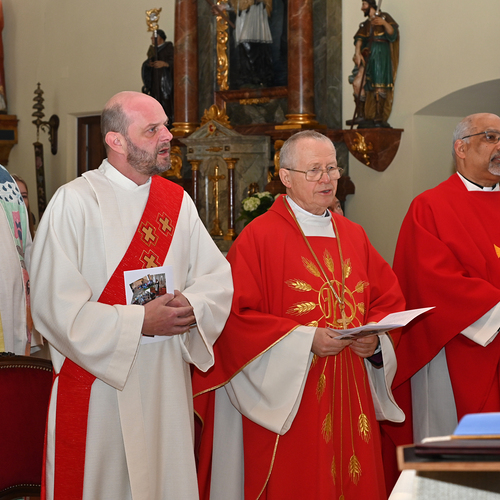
[148, 248]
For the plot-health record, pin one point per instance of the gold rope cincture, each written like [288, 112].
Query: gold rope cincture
[342, 267]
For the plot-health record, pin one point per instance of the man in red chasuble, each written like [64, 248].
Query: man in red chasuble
[289, 411]
[448, 256]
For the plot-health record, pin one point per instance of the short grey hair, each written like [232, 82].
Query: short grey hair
[287, 151]
[114, 119]
[463, 129]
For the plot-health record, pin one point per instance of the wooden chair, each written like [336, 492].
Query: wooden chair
[25, 384]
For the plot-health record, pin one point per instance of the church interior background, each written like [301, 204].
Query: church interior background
[85, 52]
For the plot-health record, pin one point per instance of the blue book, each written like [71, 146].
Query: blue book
[478, 426]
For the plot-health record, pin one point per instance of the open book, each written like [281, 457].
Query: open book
[390, 322]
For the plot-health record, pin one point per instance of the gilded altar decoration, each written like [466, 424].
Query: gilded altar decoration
[362, 147]
[216, 229]
[213, 113]
[222, 59]
[497, 250]
[152, 18]
[176, 163]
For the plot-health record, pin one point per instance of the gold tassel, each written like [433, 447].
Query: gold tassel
[326, 428]
[320, 389]
[354, 469]
[364, 427]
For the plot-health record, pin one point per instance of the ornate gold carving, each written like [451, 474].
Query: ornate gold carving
[362, 147]
[213, 113]
[152, 18]
[257, 100]
[181, 129]
[175, 163]
[215, 149]
[301, 121]
[222, 59]
[216, 230]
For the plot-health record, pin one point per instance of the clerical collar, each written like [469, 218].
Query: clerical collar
[296, 208]
[473, 186]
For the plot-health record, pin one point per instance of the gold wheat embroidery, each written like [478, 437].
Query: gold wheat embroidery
[327, 259]
[364, 427]
[326, 428]
[347, 268]
[299, 285]
[311, 267]
[360, 287]
[301, 308]
[333, 470]
[361, 307]
[354, 469]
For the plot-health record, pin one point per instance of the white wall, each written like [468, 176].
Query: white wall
[82, 52]
[444, 48]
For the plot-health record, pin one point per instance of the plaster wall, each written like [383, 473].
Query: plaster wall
[443, 49]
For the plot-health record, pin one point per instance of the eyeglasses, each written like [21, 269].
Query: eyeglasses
[489, 135]
[316, 174]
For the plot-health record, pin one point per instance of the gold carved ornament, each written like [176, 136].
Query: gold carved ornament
[213, 113]
[152, 18]
[222, 58]
[362, 147]
[175, 163]
[343, 362]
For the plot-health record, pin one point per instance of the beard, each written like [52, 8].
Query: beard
[145, 162]
[367, 12]
[494, 166]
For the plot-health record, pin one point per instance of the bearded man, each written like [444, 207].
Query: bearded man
[448, 256]
[120, 422]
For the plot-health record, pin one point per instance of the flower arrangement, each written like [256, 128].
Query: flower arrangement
[255, 205]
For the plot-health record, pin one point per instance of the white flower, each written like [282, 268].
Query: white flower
[250, 204]
[263, 194]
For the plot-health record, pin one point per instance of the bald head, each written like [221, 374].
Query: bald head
[476, 149]
[116, 116]
[134, 128]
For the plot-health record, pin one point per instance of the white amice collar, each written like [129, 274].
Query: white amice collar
[311, 224]
[118, 178]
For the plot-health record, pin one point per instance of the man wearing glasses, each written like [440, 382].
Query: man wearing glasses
[298, 398]
[448, 256]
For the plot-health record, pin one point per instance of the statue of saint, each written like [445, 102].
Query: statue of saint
[157, 73]
[376, 59]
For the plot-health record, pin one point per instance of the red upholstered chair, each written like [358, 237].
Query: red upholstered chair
[25, 384]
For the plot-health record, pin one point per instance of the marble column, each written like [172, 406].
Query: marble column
[300, 66]
[185, 68]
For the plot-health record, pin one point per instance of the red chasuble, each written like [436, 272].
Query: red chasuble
[333, 446]
[148, 248]
[448, 256]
